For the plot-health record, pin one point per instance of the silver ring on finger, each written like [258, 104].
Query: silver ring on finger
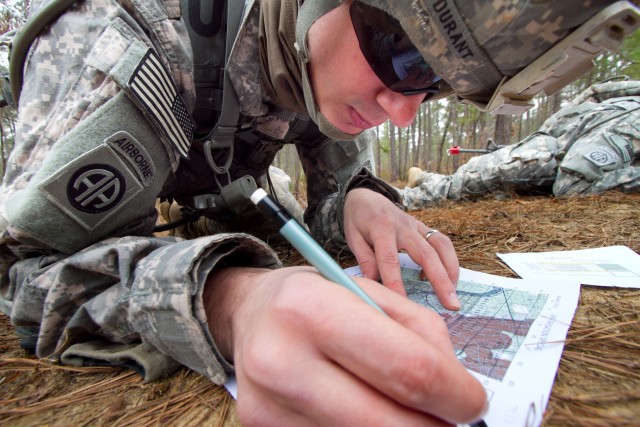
[430, 233]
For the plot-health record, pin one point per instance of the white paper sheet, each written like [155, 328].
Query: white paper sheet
[509, 334]
[609, 266]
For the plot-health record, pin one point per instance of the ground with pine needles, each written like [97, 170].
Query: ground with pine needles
[598, 381]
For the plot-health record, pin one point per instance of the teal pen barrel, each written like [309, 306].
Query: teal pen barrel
[321, 260]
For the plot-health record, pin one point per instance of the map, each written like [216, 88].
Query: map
[491, 326]
[509, 334]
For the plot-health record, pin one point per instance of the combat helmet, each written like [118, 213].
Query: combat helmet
[499, 54]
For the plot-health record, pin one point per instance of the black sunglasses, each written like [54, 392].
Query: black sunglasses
[390, 53]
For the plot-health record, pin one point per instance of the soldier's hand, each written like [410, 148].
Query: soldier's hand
[376, 230]
[309, 352]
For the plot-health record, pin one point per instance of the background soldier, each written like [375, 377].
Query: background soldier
[591, 145]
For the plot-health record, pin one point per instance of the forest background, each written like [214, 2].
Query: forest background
[438, 126]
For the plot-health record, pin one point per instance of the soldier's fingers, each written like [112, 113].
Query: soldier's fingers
[385, 247]
[414, 367]
[365, 256]
[333, 396]
[439, 265]
[447, 254]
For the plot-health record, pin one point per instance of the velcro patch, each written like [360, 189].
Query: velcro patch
[154, 89]
[623, 145]
[93, 187]
[135, 153]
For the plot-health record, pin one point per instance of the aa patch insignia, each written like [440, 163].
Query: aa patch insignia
[602, 156]
[93, 187]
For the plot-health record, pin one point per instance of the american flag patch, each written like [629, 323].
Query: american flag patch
[152, 85]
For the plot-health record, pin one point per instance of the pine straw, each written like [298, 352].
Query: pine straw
[598, 382]
[39, 393]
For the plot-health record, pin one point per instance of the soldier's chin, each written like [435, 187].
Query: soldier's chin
[341, 132]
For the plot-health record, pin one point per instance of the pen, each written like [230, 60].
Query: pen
[306, 245]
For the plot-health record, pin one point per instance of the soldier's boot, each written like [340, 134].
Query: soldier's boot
[413, 176]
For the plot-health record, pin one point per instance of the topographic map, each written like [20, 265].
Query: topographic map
[491, 326]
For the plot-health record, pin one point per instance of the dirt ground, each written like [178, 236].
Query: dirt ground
[598, 381]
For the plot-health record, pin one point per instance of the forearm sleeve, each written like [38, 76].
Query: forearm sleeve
[124, 292]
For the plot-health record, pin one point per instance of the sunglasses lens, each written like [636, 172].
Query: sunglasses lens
[389, 52]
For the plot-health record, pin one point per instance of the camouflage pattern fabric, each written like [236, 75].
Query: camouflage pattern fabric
[603, 152]
[472, 45]
[111, 288]
[590, 146]
[529, 164]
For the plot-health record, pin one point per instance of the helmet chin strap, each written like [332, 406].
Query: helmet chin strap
[310, 12]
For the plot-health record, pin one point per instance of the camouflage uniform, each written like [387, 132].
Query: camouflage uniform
[83, 278]
[589, 146]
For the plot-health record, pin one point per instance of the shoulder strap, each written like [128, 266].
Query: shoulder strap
[217, 101]
[211, 37]
[222, 135]
[24, 38]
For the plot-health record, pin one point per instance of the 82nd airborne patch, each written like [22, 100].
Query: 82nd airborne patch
[93, 187]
